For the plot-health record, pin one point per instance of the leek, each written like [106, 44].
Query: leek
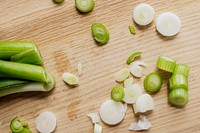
[117, 93]
[182, 69]
[7, 83]
[178, 81]
[16, 126]
[166, 64]
[178, 97]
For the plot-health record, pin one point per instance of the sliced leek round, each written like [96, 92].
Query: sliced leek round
[117, 93]
[165, 63]
[178, 81]
[182, 69]
[70, 78]
[122, 74]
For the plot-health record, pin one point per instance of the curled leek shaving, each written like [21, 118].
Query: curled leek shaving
[182, 69]
[16, 126]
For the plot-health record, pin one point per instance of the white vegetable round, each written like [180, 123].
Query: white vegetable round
[143, 14]
[168, 24]
[144, 103]
[112, 112]
[132, 93]
[122, 74]
[46, 122]
[70, 78]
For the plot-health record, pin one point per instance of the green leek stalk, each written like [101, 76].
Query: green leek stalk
[178, 97]
[178, 81]
[7, 83]
[10, 49]
[23, 71]
[25, 86]
[16, 126]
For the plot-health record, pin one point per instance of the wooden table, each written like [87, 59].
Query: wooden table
[63, 35]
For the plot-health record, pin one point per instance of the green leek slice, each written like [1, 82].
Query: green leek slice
[132, 57]
[178, 81]
[182, 69]
[166, 64]
[117, 93]
[178, 97]
[84, 5]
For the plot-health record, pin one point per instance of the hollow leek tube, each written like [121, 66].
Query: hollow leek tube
[117, 93]
[166, 64]
[16, 126]
[30, 56]
[11, 48]
[30, 86]
[23, 71]
[182, 69]
[178, 97]
[178, 81]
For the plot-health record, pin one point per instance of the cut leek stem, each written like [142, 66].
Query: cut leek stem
[117, 93]
[7, 83]
[182, 69]
[12, 48]
[153, 82]
[178, 97]
[178, 81]
[166, 64]
[31, 86]
[23, 71]
[132, 29]
[16, 126]
[30, 56]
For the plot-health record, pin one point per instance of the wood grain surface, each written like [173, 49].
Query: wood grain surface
[64, 38]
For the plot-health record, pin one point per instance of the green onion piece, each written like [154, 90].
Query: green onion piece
[182, 69]
[153, 82]
[117, 93]
[178, 81]
[166, 64]
[30, 56]
[16, 126]
[178, 97]
[58, 1]
[23, 71]
[84, 5]
[132, 29]
[7, 83]
[30, 86]
[132, 57]
[100, 33]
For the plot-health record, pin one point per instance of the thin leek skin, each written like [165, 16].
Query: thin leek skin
[178, 97]
[7, 83]
[16, 126]
[178, 81]
[30, 86]
[84, 8]
[30, 56]
[166, 64]
[23, 71]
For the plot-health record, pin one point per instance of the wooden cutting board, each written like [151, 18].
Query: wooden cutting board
[63, 35]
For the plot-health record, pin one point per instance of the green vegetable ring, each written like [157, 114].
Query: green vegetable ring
[84, 5]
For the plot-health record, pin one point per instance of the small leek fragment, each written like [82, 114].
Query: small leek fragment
[178, 97]
[128, 82]
[8, 83]
[30, 56]
[122, 74]
[30, 86]
[84, 6]
[70, 78]
[100, 33]
[46, 122]
[58, 1]
[132, 57]
[166, 64]
[23, 71]
[153, 82]
[132, 93]
[97, 128]
[112, 112]
[79, 69]
[117, 93]
[178, 81]
[94, 117]
[16, 126]
[132, 29]
[182, 69]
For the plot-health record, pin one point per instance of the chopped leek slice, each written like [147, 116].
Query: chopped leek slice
[128, 82]
[16, 126]
[70, 78]
[166, 64]
[79, 69]
[117, 93]
[122, 74]
[132, 29]
[182, 69]
[84, 5]
[178, 81]
[178, 97]
[153, 82]
[97, 128]
[94, 117]
[132, 57]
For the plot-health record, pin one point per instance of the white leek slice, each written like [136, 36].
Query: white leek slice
[135, 68]
[122, 74]
[79, 69]
[128, 82]
[94, 117]
[142, 124]
[97, 128]
[168, 24]
[46, 122]
[132, 93]
[70, 78]
[144, 103]
[143, 14]
[112, 112]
